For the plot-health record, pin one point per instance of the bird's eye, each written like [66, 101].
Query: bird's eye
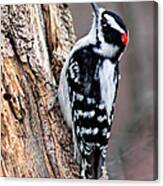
[105, 25]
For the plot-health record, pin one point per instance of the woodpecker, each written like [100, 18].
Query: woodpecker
[88, 89]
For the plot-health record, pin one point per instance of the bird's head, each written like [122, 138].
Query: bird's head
[112, 35]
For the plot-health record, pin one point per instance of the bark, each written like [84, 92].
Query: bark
[35, 40]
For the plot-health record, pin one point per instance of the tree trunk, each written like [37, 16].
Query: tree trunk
[35, 40]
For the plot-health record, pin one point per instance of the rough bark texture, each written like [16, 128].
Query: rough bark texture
[35, 40]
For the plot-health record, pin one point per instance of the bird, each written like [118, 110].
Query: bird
[88, 89]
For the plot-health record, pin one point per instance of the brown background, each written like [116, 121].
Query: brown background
[131, 152]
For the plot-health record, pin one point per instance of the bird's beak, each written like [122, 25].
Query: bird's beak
[95, 8]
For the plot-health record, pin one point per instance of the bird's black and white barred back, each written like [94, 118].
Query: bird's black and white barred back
[88, 89]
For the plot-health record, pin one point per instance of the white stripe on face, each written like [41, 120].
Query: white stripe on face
[112, 22]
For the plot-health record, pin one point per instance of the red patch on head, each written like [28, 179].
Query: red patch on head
[125, 39]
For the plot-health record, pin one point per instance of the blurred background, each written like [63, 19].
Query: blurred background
[132, 145]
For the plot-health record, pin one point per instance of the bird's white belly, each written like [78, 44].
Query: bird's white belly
[107, 85]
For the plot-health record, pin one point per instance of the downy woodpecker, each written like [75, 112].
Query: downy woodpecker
[88, 89]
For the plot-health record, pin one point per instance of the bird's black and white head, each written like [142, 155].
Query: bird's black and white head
[111, 34]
